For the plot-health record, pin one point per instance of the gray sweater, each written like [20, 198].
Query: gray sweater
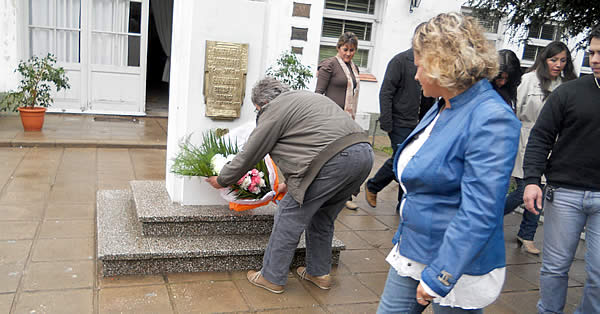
[301, 131]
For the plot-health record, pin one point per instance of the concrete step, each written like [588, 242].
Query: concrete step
[160, 217]
[123, 250]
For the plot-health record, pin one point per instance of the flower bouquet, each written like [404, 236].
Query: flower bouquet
[256, 188]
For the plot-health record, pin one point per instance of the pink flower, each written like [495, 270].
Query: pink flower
[241, 180]
[254, 189]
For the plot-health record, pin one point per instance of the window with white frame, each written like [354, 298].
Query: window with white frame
[586, 60]
[540, 36]
[54, 26]
[491, 26]
[357, 16]
[585, 65]
[116, 32]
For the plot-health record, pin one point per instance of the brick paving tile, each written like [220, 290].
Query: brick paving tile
[47, 234]
[140, 299]
[56, 301]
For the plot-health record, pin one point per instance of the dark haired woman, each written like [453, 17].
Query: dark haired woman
[337, 78]
[509, 77]
[552, 67]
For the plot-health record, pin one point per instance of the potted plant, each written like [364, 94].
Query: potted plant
[32, 96]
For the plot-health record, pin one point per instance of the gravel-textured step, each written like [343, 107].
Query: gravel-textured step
[123, 249]
[161, 217]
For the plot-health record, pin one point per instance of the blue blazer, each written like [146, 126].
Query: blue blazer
[452, 218]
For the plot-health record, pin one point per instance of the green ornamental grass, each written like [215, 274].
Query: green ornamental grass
[195, 160]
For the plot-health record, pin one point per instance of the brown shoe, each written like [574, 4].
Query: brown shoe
[323, 282]
[351, 205]
[528, 245]
[370, 197]
[258, 280]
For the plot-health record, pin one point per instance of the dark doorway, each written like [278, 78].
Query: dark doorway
[157, 91]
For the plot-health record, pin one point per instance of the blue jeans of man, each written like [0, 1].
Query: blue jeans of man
[529, 222]
[323, 200]
[400, 296]
[385, 174]
[564, 219]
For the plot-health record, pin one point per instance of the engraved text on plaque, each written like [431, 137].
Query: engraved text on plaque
[225, 72]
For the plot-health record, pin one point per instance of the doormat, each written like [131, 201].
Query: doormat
[117, 119]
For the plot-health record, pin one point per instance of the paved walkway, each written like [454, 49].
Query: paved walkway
[47, 235]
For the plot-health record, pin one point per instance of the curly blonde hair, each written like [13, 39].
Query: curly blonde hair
[454, 51]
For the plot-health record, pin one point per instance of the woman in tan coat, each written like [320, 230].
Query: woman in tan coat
[337, 78]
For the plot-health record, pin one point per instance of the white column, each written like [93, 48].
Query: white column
[195, 22]
[8, 45]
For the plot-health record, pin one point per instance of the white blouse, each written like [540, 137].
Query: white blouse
[469, 292]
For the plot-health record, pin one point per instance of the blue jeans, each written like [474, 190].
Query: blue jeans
[529, 222]
[400, 293]
[385, 174]
[323, 201]
[564, 220]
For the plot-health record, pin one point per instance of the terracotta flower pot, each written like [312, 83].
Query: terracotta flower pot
[32, 118]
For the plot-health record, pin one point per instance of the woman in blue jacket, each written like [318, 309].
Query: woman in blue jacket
[454, 169]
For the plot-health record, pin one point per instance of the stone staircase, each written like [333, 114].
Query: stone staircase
[141, 232]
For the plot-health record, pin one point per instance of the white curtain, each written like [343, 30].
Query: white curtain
[163, 16]
[109, 16]
[54, 27]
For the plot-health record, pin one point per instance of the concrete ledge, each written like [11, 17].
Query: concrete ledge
[80, 144]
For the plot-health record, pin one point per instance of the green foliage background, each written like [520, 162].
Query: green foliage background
[289, 70]
[574, 15]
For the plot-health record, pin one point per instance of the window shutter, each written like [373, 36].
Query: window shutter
[357, 6]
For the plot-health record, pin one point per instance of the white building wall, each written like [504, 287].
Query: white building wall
[278, 32]
[194, 22]
[8, 45]
[392, 34]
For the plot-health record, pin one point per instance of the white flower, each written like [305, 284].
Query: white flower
[246, 183]
[217, 163]
[262, 182]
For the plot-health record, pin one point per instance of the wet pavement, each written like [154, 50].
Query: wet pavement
[48, 184]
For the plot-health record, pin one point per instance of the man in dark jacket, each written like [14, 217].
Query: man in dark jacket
[568, 127]
[401, 105]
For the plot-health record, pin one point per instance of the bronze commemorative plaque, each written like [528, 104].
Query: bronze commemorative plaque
[225, 70]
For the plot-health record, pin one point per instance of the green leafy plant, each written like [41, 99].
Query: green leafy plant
[195, 160]
[38, 74]
[289, 70]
